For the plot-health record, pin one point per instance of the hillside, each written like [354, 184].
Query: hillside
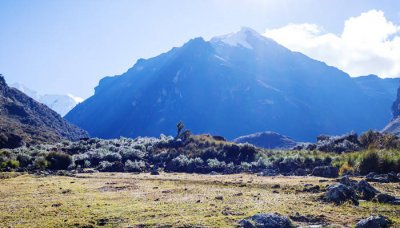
[393, 126]
[235, 85]
[267, 140]
[26, 121]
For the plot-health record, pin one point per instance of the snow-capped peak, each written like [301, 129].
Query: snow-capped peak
[75, 98]
[62, 104]
[240, 38]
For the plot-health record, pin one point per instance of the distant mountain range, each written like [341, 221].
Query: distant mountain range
[25, 121]
[62, 104]
[234, 85]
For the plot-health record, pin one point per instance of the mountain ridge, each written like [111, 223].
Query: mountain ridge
[232, 90]
[25, 121]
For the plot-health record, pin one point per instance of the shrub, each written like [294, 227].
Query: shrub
[216, 165]
[135, 166]
[245, 166]
[58, 160]
[387, 164]
[106, 166]
[132, 154]
[24, 159]
[112, 157]
[369, 163]
[40, 163]
[13, 164]
[346, 169]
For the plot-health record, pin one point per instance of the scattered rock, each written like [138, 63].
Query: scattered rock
[374, 222]
[102, 222]
[66, 191]
[219, 198]
[340, 193]
[347, 181]
[325, 171]
[270, 220]
[276, 186]
[166, 191]
[310, 219]
[383, 178]
[365, 190]
[312, 189]
[56, 205]
[386, 198]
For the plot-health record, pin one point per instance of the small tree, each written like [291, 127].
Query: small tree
[179, 128]
[182, 133]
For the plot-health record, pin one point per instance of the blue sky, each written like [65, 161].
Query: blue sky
[67, 46]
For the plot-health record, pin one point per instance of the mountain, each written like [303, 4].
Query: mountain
[267, 140]
[62, 104]
[234, 85]
[26, 121]
[394, 125]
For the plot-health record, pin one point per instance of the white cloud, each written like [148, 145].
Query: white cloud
[369, 44]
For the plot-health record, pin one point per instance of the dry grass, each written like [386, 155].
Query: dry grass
[129, 200]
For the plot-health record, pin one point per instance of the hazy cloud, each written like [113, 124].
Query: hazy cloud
[369, 44]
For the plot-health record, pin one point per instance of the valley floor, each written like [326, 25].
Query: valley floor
[170, 199]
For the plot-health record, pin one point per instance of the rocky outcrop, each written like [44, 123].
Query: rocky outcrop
[270, 220]
[365, 190]
[338, 144]
[386, 198]
[350, 190]
[340, 193]
[383, 178]
[393, 126]
[374, 222]
[26, 121]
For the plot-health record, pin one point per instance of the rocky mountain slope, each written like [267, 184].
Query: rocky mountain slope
[62, 104]
[26, 121]
[235, 85]
[267, 140]
[394, 125]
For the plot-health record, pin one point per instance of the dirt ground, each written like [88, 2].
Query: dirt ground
[174, 200]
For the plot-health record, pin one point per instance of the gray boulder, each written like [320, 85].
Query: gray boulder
[386, 198]
[325, 171]
[373, 222]
[383, 178]
[347, 181]
[269, 220]
[340, 193]
[365, 190]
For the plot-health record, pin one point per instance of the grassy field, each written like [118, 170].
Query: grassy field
[177, 200]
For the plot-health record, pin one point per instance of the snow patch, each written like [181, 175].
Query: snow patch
[240, 38]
